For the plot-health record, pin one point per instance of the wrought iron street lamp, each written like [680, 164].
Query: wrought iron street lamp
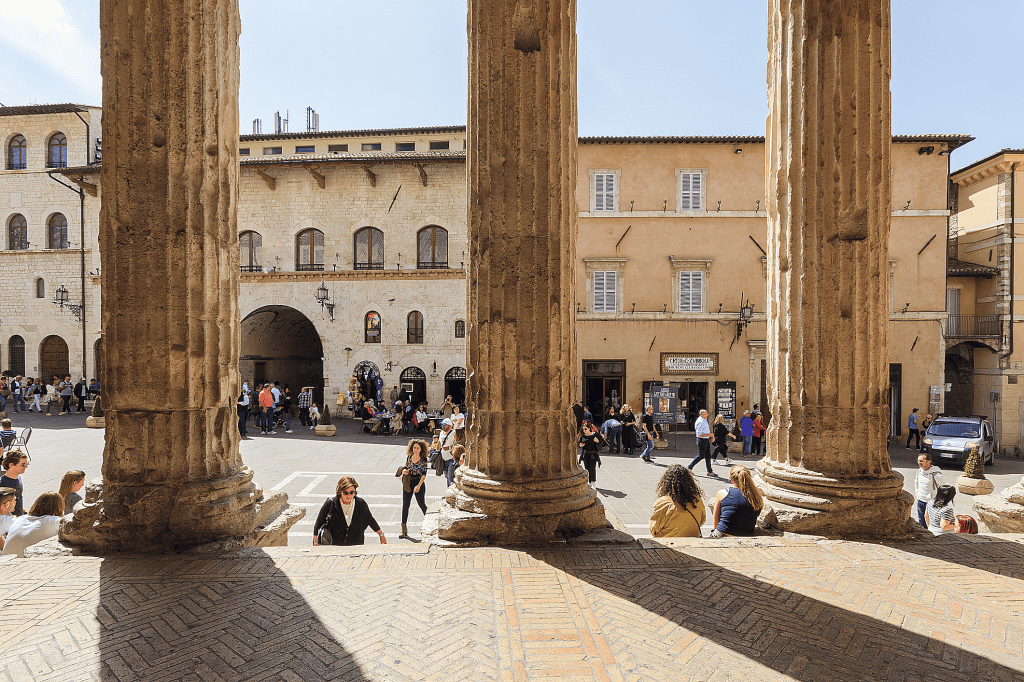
[60, 297]
[323, 297]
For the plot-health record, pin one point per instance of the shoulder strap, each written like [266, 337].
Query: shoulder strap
[699, 532]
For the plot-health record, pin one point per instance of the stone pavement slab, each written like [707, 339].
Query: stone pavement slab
[772, 608]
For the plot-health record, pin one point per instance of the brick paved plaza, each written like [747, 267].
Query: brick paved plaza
[761, 609]
[769, 608]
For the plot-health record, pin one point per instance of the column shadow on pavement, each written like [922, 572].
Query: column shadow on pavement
[984, 552]
[209, 619]
[795, 634]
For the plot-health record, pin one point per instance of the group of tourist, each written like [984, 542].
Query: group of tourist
[22, 394]
[935, 501]
[273, 406]
[20, 530]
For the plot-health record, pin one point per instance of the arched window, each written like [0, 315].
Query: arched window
[309, 250]
[250, 251]
[17, 232]
[432, 248]
[17, 356]
[460, 329]
[17, 153]
[57, 151]
[40, 288]
[369, 249]
[371, 327]
[57, 231]
[415, 321]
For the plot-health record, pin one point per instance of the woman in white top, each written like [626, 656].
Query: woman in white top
[41, 522]
[941, 518]
[458, 423]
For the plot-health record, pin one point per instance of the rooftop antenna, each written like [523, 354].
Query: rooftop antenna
[280, 124]
[257, 126]
[312, 120]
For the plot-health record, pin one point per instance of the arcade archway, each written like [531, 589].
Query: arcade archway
[281, 344]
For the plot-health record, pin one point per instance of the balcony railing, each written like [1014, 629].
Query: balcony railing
[309, 267]
[961, 326]
[251, 268]
[368, 266]
[432, 265]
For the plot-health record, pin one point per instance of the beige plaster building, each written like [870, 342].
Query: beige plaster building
[381, 228]
[983, 363]
[672, 247]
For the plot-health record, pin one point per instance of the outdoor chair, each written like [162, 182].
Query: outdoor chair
[20, 441]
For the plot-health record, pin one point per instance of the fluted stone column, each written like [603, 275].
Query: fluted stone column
[829, 208]
[523, 482]
[172, 473]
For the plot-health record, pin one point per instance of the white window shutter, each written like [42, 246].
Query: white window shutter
[604, 191]
[691, 292]
[604, 291]
[690, 191]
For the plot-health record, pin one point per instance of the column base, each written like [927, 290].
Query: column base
[486, 511]
[802, 501]
[1003, 513]
[172, 518]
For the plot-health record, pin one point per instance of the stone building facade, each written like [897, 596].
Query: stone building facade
[672, 246]
[44, 247]
[405, 209]
[983, 364]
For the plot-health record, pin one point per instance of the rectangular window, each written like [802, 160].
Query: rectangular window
[405, 146]
[604, 191]
[244, 151]
[690, 188]
[337, 147]
[268, 151]
[308, 149]
[438, 145]
[371, 146]
[691, 291]
[605, 282]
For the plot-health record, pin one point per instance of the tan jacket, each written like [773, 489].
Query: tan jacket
[669, 520]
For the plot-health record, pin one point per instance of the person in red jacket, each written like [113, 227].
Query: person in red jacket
[759, 429]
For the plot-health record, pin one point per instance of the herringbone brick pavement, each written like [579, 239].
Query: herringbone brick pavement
[787, 608]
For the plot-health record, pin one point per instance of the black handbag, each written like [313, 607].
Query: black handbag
[324, 535]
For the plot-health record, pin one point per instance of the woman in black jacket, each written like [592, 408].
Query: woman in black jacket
[628, 419]
[590, 441]
[346, 516]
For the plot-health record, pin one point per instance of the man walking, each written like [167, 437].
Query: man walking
[81, 392]
[267, 403]
[926, 484]
[305, 398]
[447, 442]
[912, 428]
[18, 393]
[704, 440]
[647, 422]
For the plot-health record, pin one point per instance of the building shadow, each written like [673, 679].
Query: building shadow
[909, 631]
[182, 618]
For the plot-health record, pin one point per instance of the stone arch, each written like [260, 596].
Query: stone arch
[16, 355]
[413, 383]
[54, 358]
[280, 343]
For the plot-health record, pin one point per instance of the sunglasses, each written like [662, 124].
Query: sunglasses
[348, 492]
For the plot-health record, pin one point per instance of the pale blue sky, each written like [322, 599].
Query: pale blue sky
[649, 67]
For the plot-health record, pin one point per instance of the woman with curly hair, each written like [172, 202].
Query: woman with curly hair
[738, 506]
[679, 509]
[414, 479]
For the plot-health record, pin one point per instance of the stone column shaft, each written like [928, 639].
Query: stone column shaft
[829, 208]
[523, 480]
[171, 467]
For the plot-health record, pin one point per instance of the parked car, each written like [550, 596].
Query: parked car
[950, 439]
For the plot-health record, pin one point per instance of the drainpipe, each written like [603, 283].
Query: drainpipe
[81, 218]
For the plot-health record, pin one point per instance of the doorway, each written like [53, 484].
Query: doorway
[693, 397]
[895, 401]
[53, 358]
[602, 386]
[455, 385]
[414, 386]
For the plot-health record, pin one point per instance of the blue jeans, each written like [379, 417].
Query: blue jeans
[19, 399]
[746, 444]
[449, 471]
[615, 437]
[268, 419]
[647, 450]
[921, 510]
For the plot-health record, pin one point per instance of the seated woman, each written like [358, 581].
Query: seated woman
[738, 506]
[679, 510]
[939, 511]
[41, 522]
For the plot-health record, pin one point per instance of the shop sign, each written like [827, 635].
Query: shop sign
[664, 398]
[689, 363]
